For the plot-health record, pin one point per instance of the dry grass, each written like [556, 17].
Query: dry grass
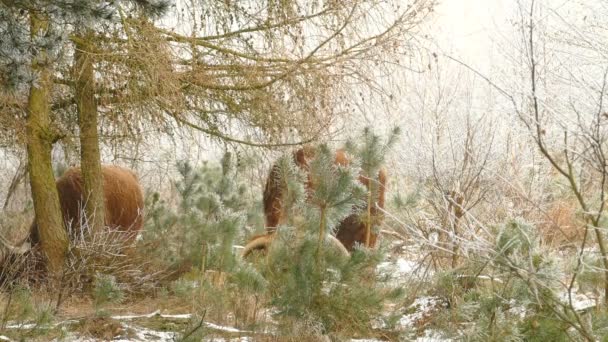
[79, 306]
[15, 225]
[561, 226]
[102, 328]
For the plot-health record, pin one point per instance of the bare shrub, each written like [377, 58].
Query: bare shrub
[105, 253]
[562, 226]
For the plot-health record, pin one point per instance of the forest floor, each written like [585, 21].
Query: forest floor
[166, 318]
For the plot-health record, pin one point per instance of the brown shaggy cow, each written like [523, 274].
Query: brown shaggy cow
[350, 231]
[124, 201]
[124, 204]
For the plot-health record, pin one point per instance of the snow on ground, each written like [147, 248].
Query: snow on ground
[140, 334]
[401, 266]
[432, 336]
[137, 333]
[150, 315]
[423, 308]
[223, 328]
[26, 325]
[143, 334]
[397, 268]
[429, 336]
[580, 301]
[21, 326]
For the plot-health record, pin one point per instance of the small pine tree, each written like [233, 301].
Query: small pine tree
[106, 290]
[520, 302]
[371, 152]
[336, 193]
[308, 280]
[214, 207]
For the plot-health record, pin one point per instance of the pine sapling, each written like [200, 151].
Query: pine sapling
[372, 154]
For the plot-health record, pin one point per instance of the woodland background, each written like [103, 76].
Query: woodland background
[495, 220]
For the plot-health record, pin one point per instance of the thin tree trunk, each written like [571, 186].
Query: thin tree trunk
[321, 234]
[40, 138]
[368, 219]
[90, 158]
[17, 178]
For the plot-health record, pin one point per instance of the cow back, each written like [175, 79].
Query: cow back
[123, 199]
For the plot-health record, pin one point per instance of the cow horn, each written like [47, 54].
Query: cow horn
[260, 242]
[22, 249]
[336, 243]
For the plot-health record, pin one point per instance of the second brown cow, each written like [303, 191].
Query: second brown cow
[351, 230]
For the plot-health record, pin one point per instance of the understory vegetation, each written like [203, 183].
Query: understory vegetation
[435, 269]
[302, 288]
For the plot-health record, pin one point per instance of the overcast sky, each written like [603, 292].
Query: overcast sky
[467, 29]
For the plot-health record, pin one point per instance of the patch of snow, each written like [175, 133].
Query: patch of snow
[378, 323]
[579, 301]
[432, 336]
[150, 315]
[519, 311]
[144, 334]
[182, 316]
[423, 307]
[178, 316]
[400, 266]
[223, 328]
[397, 270]
[235, 339]
[140, 335]
[73, 338]
[153, 314]
[22, 326]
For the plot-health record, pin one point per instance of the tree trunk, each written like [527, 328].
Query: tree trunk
[368, 219]
[40, 138]
[90, 158]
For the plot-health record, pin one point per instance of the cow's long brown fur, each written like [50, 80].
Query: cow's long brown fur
[124, 202]
[350, 231]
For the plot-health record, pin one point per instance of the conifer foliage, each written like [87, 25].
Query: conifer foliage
[214, 207]
[303, 278]
[309, 280]
[371, 152]
[19, 46]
